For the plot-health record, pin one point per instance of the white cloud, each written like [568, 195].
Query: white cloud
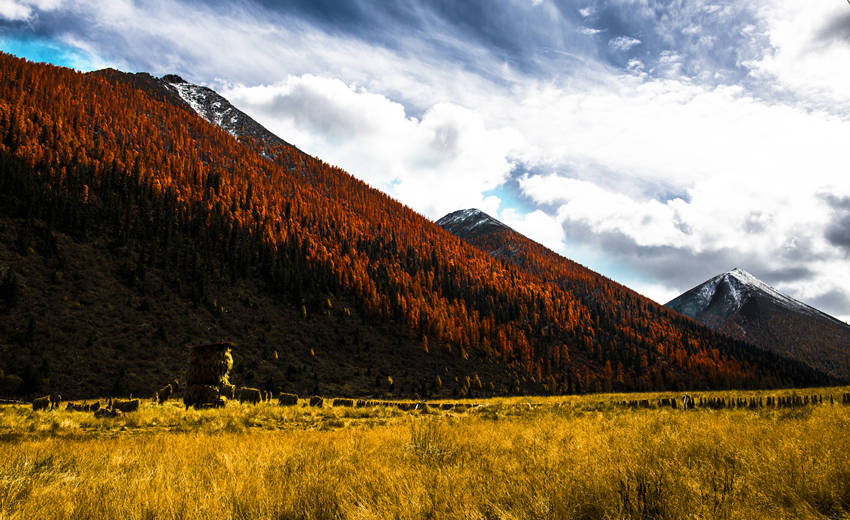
[46, 5]
[678, 135]
[22, 10]
[537, 224]
[623, 43]
[700, 170]
[657, 292]
[589, 31]
[435, 164]
[809, 40]
[246, 44]
[649, 223]
[14, 11]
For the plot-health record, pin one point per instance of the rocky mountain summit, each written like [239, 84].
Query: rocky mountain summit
[740, 305]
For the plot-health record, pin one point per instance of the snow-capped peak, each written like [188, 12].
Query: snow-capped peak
[738, 304]
[727, 293]
[469, 219]
[217, 110]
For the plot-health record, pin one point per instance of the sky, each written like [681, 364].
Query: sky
[657, 142]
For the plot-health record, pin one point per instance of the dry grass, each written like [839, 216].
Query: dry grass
[575, 457]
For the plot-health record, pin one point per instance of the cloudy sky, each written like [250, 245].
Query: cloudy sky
[657, 142]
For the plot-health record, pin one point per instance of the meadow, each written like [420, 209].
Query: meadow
[508, 458]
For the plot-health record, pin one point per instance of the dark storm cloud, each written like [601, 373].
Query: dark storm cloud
[680, 268]
[837, 29]
[838, 230]
[833, 302]
[792, 273]
[676, 267]
[313, 110]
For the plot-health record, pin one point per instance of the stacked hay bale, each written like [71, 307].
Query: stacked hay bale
[207, 381]
[287, 399]
[125, 405]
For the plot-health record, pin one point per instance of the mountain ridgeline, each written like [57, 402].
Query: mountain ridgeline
[740, 305]
[130, 227]
[204, 101]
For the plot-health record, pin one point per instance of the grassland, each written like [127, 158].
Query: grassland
[512, 458]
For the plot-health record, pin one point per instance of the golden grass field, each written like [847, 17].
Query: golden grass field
[511, 458]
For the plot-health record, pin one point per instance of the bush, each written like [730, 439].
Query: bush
[431, 443]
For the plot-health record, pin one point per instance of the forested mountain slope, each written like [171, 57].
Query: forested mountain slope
[204, 229]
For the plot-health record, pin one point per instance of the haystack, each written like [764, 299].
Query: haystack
[207, 382]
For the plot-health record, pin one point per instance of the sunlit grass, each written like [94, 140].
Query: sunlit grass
[558, 457]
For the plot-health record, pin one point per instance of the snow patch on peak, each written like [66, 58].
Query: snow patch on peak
[745, 277]
[706, 291]
[191, 96]
[748, 280]
[208, 104]
[469, 219]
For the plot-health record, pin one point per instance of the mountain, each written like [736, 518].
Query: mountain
[204, 101]
[742, 306]
[153, 229]
[479, 229]
[132, 225]
[467, 223]
[501, 242]
[612, 305]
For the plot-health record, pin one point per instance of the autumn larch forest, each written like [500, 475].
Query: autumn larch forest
[97, 159]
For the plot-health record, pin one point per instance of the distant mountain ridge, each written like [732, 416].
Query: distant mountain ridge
[740, 305]
[611, 303]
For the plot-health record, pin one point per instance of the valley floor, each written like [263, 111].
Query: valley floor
[511, 458]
